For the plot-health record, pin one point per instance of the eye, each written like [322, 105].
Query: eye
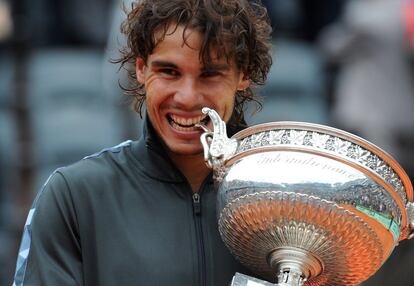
[210, 73]
[169, 72]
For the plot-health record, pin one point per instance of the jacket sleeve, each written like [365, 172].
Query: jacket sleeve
[50, 252]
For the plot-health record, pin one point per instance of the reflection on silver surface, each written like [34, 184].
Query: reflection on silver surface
[319, 177]
[307, 204]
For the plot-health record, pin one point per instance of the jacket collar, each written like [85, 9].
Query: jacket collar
[153, 158]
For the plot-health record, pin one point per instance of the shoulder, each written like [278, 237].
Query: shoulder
[94, 171]
[104, 163]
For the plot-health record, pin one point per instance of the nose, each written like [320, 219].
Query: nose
[188, 94]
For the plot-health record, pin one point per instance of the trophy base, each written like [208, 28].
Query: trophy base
[245, 280]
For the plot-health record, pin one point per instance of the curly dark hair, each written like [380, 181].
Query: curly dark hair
[239, 29]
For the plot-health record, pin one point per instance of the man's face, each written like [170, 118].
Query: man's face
[178, 86]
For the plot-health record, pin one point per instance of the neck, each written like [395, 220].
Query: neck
[193, 168]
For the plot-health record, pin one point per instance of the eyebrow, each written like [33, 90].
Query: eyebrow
[163, 64]
[216, 67]
[211, 67]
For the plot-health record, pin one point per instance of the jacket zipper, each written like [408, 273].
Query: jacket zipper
[200, 239]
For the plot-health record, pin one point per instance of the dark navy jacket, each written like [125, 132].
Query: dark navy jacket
[124, 216]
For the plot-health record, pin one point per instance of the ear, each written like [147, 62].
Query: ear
[244, 82]
[140, 70]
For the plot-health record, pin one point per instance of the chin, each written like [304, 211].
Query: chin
[187, 150]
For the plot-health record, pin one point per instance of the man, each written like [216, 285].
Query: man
[143, 213]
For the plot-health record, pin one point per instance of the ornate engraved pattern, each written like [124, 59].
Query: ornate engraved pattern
[254, 225]
[327, 143]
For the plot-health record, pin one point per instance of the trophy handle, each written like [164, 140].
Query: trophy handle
[217, 146]
[410, 212]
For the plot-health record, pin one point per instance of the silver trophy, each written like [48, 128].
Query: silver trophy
[306, 204]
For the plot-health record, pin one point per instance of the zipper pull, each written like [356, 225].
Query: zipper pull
[197, 204]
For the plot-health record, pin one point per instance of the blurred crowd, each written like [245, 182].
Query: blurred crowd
[343, 63]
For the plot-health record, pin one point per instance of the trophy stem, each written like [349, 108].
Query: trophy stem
[294, 265]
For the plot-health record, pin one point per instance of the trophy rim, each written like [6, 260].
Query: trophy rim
[336, 132]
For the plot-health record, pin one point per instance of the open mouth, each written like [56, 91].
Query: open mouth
[187, 124]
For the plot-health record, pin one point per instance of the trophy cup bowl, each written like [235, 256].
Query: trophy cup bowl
[307, 204]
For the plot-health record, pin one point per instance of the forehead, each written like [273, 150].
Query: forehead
[179, 35]
[179, 39]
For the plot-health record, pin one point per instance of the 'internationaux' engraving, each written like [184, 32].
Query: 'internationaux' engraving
[329, 143]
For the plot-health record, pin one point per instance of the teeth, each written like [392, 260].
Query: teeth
[181, 128]
[187, 122]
